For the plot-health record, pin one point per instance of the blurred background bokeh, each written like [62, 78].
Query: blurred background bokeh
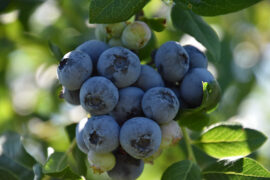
[29, 102]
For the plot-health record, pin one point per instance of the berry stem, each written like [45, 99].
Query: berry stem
[188, 145]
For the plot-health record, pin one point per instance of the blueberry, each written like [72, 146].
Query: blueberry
[119, 65]
[129, 104]
[79, 136]
[94, 48]
[98, 95]
[140, 137]
[160, 104]
[191, 88]
[136, 35]
[101, 162]
[126, 168]
[197, 59]
[149, 78]
[72, 97]
[172, 61]
[74, 69]
[171, 134]
[101, 134]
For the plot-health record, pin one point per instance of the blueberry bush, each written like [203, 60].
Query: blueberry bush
[117, 92]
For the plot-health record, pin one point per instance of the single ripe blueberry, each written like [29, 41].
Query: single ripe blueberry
[126, 168]
[197, 59]
[149, 78]
[79, 136]
[160, 104]
[120, 65]
[136, 35]
[94, 48]
[74, 69]
[140, 137]
[172, 61]
[72, 97]
[129, 104]
[98, 95]
[101, 134]
[191, 88]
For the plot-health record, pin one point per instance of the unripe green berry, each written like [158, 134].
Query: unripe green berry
[115, 42]
[100, 33]
[171, 134]
[101, 162]
[136, 35]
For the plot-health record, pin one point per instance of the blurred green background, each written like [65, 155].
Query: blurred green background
[29, 102]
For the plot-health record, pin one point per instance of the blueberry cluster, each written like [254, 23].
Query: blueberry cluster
[132, 106]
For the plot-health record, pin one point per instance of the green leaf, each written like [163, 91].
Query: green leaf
[57, 166]
[215, 7]
[7, 175]
[156, 24]
[113, 11]
[229, 140]
[56, 51]
[194, 25]
[12, 147]
[38, 171]
[71, 129]
[77, 154]
[242, 169]
[183, 170]
[22, 172]
[211, 95]
[194, 121]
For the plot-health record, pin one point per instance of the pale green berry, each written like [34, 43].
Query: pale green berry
[101, 162]
[171, 134]
[115, 42]
[109, 31]
[100, 33]
[136, 35]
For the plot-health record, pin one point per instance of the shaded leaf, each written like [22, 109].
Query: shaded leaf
[194, 25]
[22, 172]
[156, 24]
[217, 7]
[7, 175]
[38, 171]
[57, 166]
[183, 170]
[112, 11]
[194, 121]
[229, 140]
[56, 51]
[78, 155]
[12, 147]
[241, 169]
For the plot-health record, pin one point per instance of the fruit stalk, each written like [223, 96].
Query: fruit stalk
[188, 145]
